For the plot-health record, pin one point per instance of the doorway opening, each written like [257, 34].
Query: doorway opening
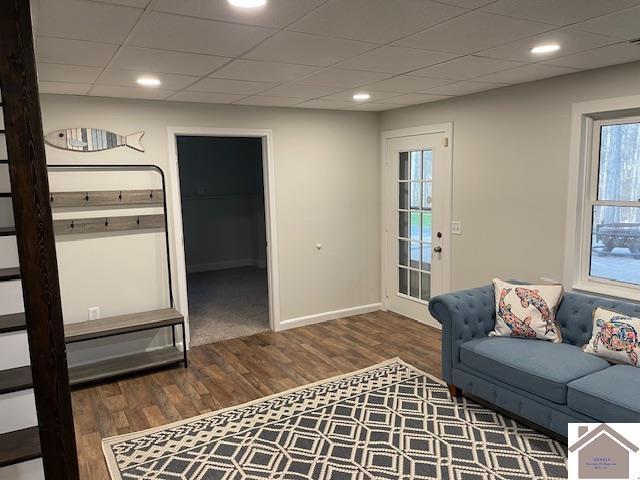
[222, 195]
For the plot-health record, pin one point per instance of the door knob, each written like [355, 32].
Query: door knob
[437, 249]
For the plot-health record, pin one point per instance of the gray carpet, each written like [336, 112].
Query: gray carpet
[388, 422]
[226, 304]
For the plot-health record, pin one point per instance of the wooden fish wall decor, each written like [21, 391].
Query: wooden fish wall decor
[92, 140]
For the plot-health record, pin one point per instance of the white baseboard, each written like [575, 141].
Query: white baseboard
[326, 316]
[226, 264]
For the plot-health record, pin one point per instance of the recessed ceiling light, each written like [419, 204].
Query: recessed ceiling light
[148, 82]
[248, 3]
[547, 48]
[361, 97]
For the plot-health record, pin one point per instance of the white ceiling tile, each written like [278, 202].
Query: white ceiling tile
[407, 84]
[61, 88]
[557, 12]
[466, 68]
[129, 3]
[473, 32]
[528, 73]
[325, 104]
[378, 21]
[416, 99]
[74, 52]
[600, 57]
[376, 95]
[624, 24]
[340, 77]
[223, 85]
[463, 88]
[305, 92]
[53, 72]
[193, 35]
[374, 107]
[263, 71]
[268, 101]
[570, 41]
[82, 20]
[127, 78]
[201, 97]
[307, 49]
[392, 59]
[278, 13]
[130, 92]
[164, 61]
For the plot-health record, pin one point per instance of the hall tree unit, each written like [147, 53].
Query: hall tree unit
[101, 231]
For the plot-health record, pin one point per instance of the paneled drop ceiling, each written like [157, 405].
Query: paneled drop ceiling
[318, 53]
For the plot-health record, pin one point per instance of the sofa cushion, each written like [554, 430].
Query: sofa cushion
[609, 395]
[541, 368]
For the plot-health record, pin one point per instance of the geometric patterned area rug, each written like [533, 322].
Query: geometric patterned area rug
[388, 421]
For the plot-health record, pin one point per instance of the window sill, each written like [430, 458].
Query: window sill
[624, 293]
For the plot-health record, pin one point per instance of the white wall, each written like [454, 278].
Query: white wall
[510, 170]
[221, 185]
[327, 177]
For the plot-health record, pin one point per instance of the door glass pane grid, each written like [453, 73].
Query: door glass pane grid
[414, 223]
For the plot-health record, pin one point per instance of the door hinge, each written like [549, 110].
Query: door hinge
[446, 141]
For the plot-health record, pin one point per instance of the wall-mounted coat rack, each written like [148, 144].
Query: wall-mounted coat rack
[108, 224]
[107, 198]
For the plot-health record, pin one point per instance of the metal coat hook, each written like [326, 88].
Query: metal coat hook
[120, 196]
[86, 197]
[72, 224]
[106, 222]
[138, 221]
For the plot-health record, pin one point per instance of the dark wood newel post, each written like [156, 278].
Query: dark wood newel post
[36, 246]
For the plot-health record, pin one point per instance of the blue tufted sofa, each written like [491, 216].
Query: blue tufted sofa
[546, 383]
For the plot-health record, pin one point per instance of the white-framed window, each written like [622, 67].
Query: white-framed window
[607, 218]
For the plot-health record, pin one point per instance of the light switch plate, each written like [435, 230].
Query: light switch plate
[94, 313]
[456, 228]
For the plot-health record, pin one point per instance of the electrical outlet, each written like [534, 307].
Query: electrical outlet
[456, 228]
[94, 313]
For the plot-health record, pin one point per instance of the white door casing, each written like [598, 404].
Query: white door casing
[416, 218]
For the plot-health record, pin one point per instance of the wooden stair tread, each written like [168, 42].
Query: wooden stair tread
[15, 379]
[95, 372]
[13, 322]
[19, 446]
[7, 231]
[12, 273]
[134, 322]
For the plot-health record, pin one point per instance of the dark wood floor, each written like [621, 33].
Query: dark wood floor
[237, 371]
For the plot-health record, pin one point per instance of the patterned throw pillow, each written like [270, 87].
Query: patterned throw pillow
[527, 311]
[615, 337]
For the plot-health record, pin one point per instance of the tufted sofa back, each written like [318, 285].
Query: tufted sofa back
[575, 315]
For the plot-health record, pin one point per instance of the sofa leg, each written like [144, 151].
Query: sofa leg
[454, 391]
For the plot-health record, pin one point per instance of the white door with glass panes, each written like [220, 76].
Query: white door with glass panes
[417, 212]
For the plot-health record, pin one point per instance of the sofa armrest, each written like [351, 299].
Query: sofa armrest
[464, 315]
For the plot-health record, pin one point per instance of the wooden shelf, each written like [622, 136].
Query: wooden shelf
[7, 231]
[14, 322]
[15, 379]
[9, 274]
[107, 197]
[109, 224]
[109, 326]
[117, 367]
[19, 446]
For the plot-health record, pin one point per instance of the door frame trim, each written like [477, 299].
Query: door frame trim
[447, 129]
[175, 204]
